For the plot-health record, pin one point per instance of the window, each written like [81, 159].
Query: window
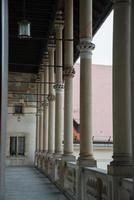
[13, 146]
[18, 109]
[17, 146]
[21, 146]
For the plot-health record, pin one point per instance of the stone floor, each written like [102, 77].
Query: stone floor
[29, 184]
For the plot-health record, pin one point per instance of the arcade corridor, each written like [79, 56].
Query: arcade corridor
[23, 183]
[44, 40]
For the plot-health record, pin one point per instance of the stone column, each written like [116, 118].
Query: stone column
[3, 91]
[36, 139]
[86, 46]
[68, 75]
[37, 116]
[39, 98]
[46, 90]
[41, 106]
[59, 89]
[122, 153]
[51, 99]
[132, 82]
[37, 121]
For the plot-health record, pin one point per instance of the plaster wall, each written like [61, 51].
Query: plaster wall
[25, 127]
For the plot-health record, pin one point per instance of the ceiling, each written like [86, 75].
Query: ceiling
[25, 55]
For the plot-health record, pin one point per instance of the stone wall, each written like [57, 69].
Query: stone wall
[25, 127]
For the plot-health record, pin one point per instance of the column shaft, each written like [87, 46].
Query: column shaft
[37, 120]
[46, 90]
[86, 47]
[41, 110]
[121, 80]
[121, 87]
[132, 82]
[59, 91]
[3, 91]
[68, 74]
[36, 139]
[51, 99]
[39, 96]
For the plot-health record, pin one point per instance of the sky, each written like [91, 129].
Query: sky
[102, 54]
[103, 43]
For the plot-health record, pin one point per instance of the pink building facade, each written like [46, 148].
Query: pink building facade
[101, 101]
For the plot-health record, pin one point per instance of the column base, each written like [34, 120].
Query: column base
[57, 155]
[39, 158]
[120, 170]
[68, 158]
[45, 152]
[49, 155]
[87, 161]
[36, 158]
[121, 165]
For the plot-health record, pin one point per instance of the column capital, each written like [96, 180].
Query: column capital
[44, 64]
[59, 87]
[51, 97]
[45, 58]
[38, 78]
[45, 103]
[69, 72]
[59, 25]
[41, 67]
[39, 111]
[51, 48]
[37, 114]
[59, 22]
[45, 55]
[45, 106]
[86, 47]
[51, 44]
[40, 72]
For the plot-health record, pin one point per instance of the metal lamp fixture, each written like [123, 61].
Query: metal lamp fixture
[24, 27]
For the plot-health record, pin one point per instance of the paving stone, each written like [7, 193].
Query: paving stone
[23, 183]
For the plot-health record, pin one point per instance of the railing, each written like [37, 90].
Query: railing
[86, 183]
[126, 189]
[95, 184]
[70, 180]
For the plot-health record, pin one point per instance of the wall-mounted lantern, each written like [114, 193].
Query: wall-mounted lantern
[24, 25]
[24, 29]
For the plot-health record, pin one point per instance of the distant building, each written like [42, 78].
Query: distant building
[101, 102]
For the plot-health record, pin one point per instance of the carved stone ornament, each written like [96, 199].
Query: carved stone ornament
[86, 47]
[37, 114]
[38, 78]
[58, 87]
[39, 111]
[69, 72]
[45, 103]
[51, 97]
